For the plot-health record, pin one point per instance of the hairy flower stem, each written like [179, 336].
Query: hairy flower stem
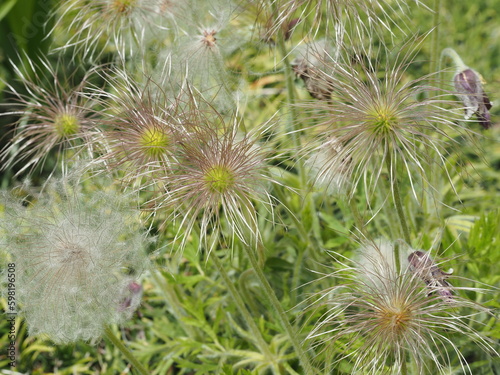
[298, 224]
[296, 275]
[435, 40]
[127, 353]
[453, 55]
[275, 303]
[396, 195]
[240, 304]
[290, 90]
[357, 216]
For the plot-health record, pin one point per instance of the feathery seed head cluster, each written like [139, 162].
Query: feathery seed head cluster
[122, 6]
[75, 256]
[199, 52]
[379, 119]
[311, 66]
[66, 125]
[154, 140]
[208, 38]
[354, 19]
[124, 25]
[381, 318]
[334, 181]
[219, 177]
[145, 128]
[53, 116]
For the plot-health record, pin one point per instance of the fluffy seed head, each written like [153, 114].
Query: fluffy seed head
[121, 6]
[54, 116]
[208, 38]
[358, 18]
[219, 177]
[381, 121]
[198, 55]
[143, 130]
[377, 318]
[333, 181]
[75, 255]
[123, 26]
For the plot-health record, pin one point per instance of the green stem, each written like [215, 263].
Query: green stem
[298, 224]
[357, 216]
[435, 37]
[398, 203]
[127, 353]
[292, 128]
[296, 275]
[404, 369]
[275, 303]
[454, 56]
[244, 280]
[240, 304]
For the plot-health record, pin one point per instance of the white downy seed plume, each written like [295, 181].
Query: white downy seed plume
[77, 257]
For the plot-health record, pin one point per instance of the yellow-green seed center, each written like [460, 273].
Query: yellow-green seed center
[383, 121]
[219, 179]
[154, 141]
[66, 125]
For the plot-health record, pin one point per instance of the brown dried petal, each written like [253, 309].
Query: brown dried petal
[426, 269]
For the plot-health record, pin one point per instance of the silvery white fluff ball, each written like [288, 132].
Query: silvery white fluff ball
[77, 257]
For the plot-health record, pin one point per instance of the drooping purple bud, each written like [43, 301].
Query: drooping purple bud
[422, 265]
[470, 91]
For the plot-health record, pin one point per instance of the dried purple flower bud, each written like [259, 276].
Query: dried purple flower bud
[426, 269]
[470, 91]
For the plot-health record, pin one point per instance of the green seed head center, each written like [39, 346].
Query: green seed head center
[219, 179]
[66, 125]
[384, 121]
[154, 141]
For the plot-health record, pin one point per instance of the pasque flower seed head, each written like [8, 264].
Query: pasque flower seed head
[377, 317]
[53, 116]
[75, 256]
[219, 176]
[101, 25]
[380, 122]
